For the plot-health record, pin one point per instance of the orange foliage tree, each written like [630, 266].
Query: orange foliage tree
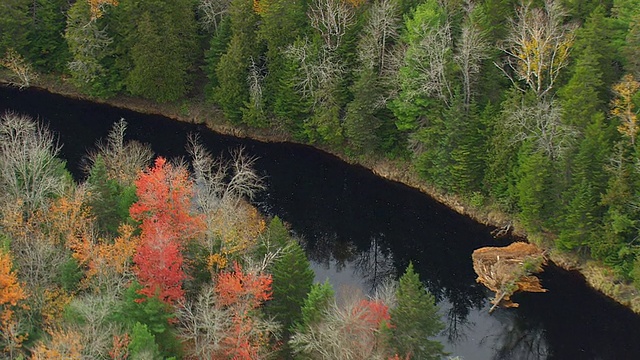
[164, 202]
[11, 295]
[61, 345]
[243, 292]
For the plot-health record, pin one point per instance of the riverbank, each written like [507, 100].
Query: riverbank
[196, 110]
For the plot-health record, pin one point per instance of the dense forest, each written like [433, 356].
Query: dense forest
[529, 107]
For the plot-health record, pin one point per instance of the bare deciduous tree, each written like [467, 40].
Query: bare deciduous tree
[538, 46]
[542, 124]
[380, 31]
[123, 159]
[255, 79]
[472, 49]
[345, 331]
[219, 181]
[94, 324]
[319, 69]
[29, 169]
[88, 45]
[212, 12]
[429, 57]
[331, 18]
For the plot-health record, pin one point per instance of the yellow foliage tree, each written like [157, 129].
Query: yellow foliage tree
[97, 7]
[623, 108]
[236, 232]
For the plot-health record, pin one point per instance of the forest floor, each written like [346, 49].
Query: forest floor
[197, 110]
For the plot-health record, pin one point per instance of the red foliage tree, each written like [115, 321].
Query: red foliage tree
[164, 203]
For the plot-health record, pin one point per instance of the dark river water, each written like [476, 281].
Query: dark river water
[359, 229]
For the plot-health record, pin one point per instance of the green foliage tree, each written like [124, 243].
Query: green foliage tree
[163, 50]
[317, 301]
[535, 189]
[217, 47]
[153, 314]
[414, 319]
[282, 22]
[580, 220]
[232, 72]
[47, 47]
[292, 279]
[109, 200]
[600, 39]
[143, 343]
[14, 26]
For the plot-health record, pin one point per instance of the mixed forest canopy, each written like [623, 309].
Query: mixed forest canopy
[148, 260]
[529, 107]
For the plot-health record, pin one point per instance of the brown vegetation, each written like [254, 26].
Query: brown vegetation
[506, 270]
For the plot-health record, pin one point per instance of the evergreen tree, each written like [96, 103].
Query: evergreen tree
[47, 47]
[292, 279]
[217, 47]
[232, 72]
[580, 220]
[14, 26]
[361, 120]
[282, 22]
[162, 51]
[535, 189]
[109, 201]
[143, 343]
[317, 301]
[581, 97]
[604, 37]
[414, 319]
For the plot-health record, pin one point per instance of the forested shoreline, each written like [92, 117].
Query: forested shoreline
[146, 259]
[523, 107]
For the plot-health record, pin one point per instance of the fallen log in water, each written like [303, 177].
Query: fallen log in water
[506, 270]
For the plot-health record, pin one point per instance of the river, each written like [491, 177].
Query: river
[359, 229]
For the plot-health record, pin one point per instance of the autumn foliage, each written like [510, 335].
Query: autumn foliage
[242, 292]
[97, 7]
[164, 203]
[12, 295]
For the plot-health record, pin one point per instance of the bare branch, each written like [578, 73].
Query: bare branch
[538, 46]
[29, 169]
[212, 12]
[331, 18]
[123, 159]
[542, 124]
[471, 50]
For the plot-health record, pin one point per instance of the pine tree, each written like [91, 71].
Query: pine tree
[14, 26]
[162, 51]
[535, 189]
[581, 97]
[292, 278]
[414, 319]
[232, 72]
[580, 220]
[47, 47]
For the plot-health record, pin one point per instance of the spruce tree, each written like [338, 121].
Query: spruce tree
[415, 319]
[162, 51]
[291, 274]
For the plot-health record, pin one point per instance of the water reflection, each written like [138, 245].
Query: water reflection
[359, 229]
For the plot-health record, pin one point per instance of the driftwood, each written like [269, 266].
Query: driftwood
[506, 270]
